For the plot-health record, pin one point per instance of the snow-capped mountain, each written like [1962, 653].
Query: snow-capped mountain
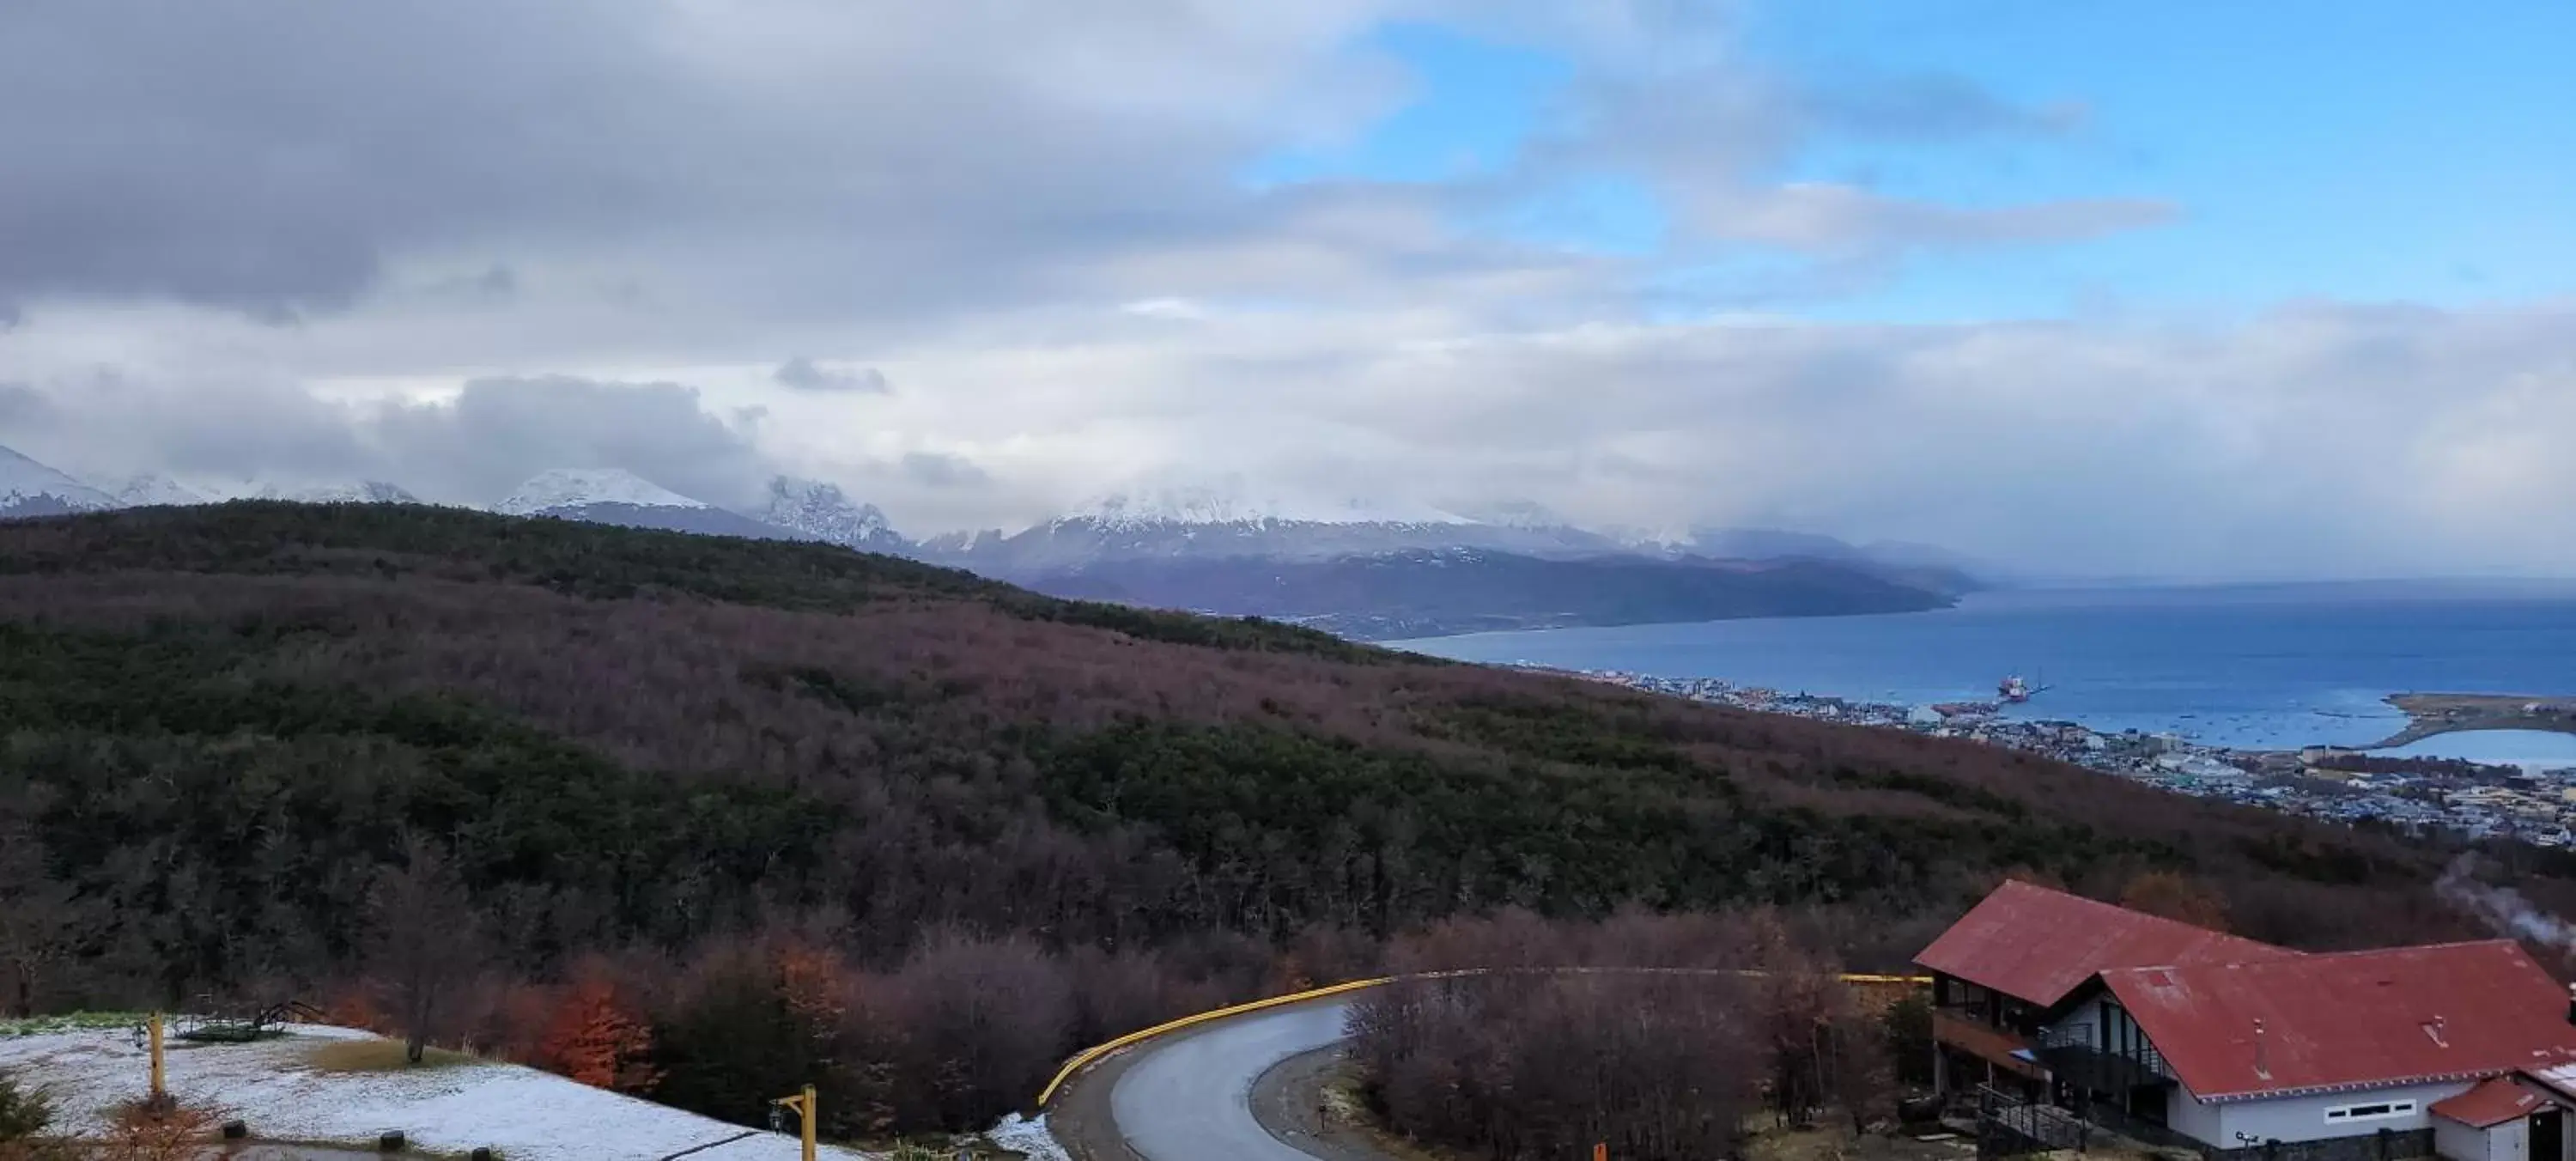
[152, 489]
[1214, 504]
[339, 492]
[1229, 521]
[28, 488]
[821, 511]
[618, 496]
[560, 488]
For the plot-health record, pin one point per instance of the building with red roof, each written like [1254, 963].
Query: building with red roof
[2037, 945]
[2236, 1048]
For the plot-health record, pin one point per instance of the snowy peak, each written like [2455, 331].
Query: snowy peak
[820, 510]
[28, 488]
[1202, 504]
[349, 492]
[159, 489]
[152, 490]
[1526, 515]
[581, 487]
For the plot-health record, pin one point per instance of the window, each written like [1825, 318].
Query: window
[2378, 1111]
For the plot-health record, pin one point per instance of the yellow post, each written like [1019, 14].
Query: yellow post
[808, 1105]
[160, 1091]
[803, 1103]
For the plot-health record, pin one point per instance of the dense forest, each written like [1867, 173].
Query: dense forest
[697, 816]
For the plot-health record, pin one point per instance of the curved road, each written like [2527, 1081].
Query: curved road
[1190, 1098]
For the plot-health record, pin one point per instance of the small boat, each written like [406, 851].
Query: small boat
[2013, 691]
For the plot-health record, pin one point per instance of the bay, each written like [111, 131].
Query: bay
[2252, 666]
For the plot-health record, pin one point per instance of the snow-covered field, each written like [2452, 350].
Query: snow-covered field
[525, 1114]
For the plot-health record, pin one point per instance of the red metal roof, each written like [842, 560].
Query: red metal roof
[2492, 1102]
[2358, 1019]
[2037, 945]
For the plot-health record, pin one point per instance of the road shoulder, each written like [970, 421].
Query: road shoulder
[1289, 1102]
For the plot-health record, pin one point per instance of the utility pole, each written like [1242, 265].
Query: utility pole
[803, 1105]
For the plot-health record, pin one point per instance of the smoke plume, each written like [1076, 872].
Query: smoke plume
[2502, 908]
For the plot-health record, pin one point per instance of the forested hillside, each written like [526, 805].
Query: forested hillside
[756, 806]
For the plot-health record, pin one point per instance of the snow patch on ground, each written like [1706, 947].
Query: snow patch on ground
[525, 1114]
[1028, 1135]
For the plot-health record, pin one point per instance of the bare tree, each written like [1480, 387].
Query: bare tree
[426, 944]
[38, 918]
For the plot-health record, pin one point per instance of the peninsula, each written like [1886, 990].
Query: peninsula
[2432, 714]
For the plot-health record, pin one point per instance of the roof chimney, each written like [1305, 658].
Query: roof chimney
[2263, 1068]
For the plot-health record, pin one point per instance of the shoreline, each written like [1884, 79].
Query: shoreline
[2431, 715]
[2333, 783]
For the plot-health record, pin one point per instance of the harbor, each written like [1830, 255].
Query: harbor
[2534, 803]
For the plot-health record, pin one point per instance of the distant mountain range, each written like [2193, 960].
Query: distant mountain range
[1359, 569]
[1432, 592]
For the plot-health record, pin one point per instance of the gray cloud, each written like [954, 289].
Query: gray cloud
[2101, 448]
[1049, 247]
[785, 156]
[24, 406]
[107, 423]
[803, 374]
[498, 432]
[941, 470]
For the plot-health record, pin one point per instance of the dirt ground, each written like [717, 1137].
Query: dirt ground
[1838, 1143]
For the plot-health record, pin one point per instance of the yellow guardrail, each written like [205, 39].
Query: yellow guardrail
[1083, 1059]
[1089, 1056]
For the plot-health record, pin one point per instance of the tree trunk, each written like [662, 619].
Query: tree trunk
[413, 1046]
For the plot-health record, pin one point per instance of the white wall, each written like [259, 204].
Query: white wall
[2510, 1141]
[2185, 1114]
[2303, 1118]
[2458, 1142]
[2506, 1142]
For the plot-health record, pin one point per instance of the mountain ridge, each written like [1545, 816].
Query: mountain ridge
[1430, 593]
[1371, 570]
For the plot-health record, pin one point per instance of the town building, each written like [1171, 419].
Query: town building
[2236, 1049]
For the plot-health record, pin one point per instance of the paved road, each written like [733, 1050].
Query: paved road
[1190, 1099]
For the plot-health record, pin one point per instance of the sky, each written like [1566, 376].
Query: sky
[2195, 290]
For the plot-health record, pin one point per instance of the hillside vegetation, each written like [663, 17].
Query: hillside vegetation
[263, 750]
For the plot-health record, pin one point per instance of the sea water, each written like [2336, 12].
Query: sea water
[2270, 666]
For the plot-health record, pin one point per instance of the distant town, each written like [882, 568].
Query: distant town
[2336, 784]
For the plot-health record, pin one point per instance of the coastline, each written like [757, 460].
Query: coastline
[2431, 715]
[2332, 783]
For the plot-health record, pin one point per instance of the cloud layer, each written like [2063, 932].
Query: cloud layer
[979, 260]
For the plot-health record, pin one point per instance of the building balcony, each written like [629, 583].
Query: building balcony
[2001, 1047]
[2074, 1056]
